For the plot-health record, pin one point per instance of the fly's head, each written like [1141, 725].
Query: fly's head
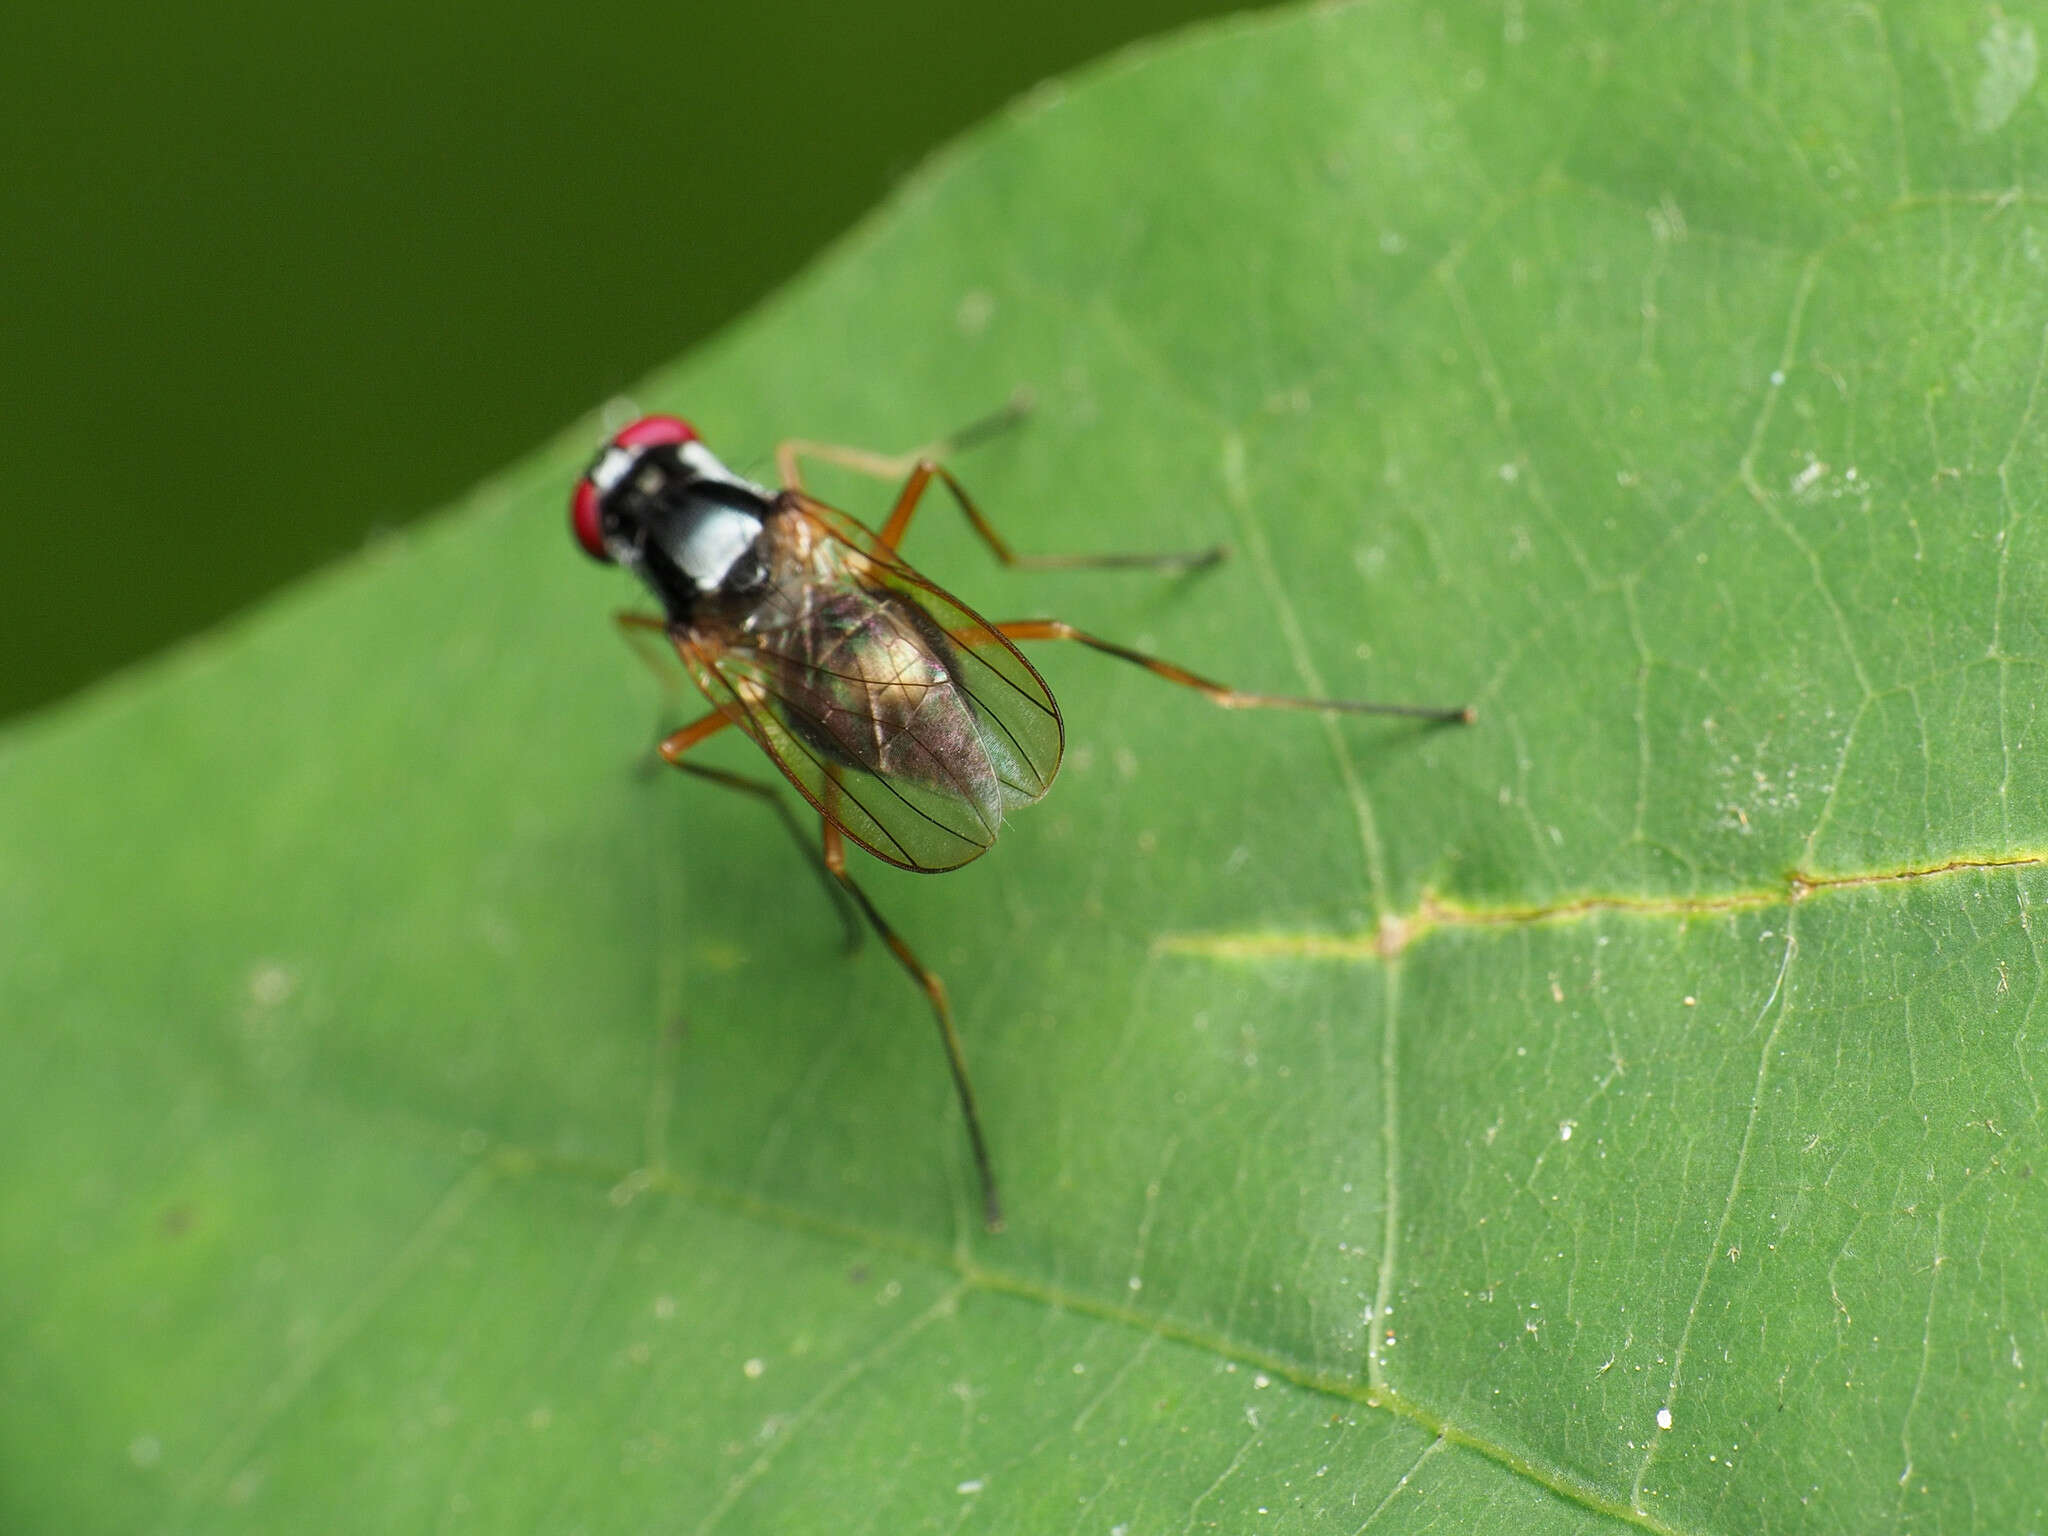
[658, 502]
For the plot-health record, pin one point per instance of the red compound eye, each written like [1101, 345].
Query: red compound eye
[649, 431]
[583, 521]
[585, 506]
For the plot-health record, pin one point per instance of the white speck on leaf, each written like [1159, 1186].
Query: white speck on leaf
[973, 313]
[2012, 61]
[270, 984]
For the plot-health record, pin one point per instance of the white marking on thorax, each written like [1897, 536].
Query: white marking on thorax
[713, 543]
[706, 465]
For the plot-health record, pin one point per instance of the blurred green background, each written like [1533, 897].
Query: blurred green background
[272, 279]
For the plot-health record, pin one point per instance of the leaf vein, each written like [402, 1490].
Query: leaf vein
[1780, 999]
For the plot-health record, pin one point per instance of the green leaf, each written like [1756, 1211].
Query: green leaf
[1622, 1113]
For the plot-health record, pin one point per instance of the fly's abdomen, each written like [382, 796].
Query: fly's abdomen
[868, 679]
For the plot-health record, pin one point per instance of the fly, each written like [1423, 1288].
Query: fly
[910, 724]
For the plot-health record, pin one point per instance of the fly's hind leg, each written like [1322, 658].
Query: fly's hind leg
[1218, 693]
[942, 1010]
[918, 468]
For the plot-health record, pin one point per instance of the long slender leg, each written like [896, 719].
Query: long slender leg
[918, 469]
[935, 990]
[894, 466]
[1228, 698]
[673, 747]
[926, 470]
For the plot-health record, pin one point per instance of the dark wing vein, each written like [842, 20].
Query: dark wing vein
[1030, 790]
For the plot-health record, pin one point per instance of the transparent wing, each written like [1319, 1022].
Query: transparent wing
[900, 714]
[1005, 687]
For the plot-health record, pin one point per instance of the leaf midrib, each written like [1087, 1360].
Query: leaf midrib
[1394, 936]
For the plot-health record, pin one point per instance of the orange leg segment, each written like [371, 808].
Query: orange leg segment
[942, 1010]
[673, 747]
[1228, 698]
[919, 468]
